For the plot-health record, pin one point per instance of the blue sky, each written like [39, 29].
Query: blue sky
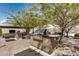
[10, 6]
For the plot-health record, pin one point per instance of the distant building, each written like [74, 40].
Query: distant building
[8, 28]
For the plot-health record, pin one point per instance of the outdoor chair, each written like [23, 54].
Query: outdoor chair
[9, 37]
[38, 35]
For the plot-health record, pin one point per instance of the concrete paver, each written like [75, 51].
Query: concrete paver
[13, 47]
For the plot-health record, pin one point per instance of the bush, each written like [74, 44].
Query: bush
[0, 31]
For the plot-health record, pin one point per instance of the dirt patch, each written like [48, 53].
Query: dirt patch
[28, 52]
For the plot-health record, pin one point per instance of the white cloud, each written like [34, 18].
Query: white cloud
[2, 21]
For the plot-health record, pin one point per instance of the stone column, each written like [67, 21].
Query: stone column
[17, 35]
[2, 42]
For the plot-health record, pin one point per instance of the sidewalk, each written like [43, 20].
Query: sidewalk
[13, 47]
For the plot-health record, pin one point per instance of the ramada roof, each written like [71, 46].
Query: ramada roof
[10, 26]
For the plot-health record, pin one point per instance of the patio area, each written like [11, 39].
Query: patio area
[20, 47]
[13, 47]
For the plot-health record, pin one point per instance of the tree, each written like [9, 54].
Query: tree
[65, 16]
[14, 18]
[70, 26]
[26, 19]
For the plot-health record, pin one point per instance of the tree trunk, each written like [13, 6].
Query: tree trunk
[27, 30]
[61, 37]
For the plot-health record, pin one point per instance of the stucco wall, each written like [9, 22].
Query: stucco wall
[6, 30]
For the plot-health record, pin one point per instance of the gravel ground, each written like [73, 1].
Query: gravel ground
[70, 48]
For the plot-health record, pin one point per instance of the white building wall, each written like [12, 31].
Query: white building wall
[6, 30]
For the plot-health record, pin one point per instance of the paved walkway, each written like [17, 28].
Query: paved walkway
[13, 47]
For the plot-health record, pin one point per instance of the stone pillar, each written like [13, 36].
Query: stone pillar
[17, 35]
[2, 42]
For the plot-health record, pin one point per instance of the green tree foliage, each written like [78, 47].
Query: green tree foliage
[26, 19]
[65, 16]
